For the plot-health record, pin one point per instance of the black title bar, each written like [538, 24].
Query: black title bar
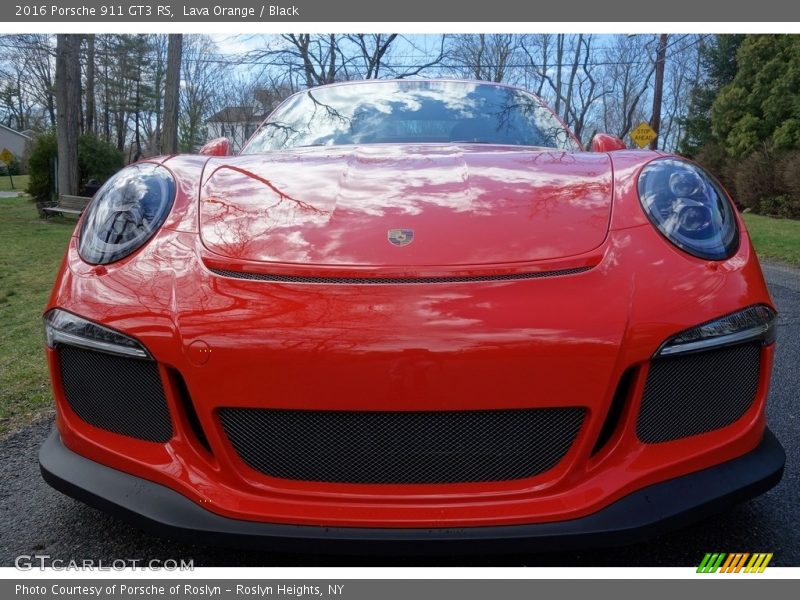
[360, 11]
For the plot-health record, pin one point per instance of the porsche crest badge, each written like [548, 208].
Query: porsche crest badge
[401, 237]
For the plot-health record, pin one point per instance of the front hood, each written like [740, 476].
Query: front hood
[457, 205]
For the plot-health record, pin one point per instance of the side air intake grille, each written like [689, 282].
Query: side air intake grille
[697, 393]
[115, 393]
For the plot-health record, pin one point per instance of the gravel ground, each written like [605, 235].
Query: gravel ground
[36, 519]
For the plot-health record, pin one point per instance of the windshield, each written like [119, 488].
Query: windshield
[414, 112]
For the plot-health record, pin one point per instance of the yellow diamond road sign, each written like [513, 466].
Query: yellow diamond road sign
[643, 135]
[6, 156]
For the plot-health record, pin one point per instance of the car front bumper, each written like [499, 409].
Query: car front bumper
[652, 510]
[404, 359]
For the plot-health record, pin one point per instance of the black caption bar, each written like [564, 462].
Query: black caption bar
[398, 589]
[359, 11]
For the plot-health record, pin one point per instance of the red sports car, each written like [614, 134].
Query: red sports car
[412, 311]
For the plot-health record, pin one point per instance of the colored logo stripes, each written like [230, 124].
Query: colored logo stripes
[735, 562]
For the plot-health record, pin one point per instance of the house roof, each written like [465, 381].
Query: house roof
[22, 135]
[238, 114]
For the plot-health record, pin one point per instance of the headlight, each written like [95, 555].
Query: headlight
[689, 209]
[125, 213]
[62, 327]
[755, 322]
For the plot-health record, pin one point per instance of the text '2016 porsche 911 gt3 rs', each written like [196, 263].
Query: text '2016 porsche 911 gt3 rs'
[411, 312]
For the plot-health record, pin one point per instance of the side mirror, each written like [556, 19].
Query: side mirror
[217, 147]
[603, 142]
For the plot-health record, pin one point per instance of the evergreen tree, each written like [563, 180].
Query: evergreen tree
[718, 61]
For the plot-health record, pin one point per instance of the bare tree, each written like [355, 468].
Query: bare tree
[572, 84]
[27, 64]
[318, 55]
[90, 118]
[141, 53]
[17, 104]
[583, 102]
[682, 74]
[308, 60]
[42, 64]
[169, 137]
[152, 124]
[573, 73]
[121, 69]
[483, 56]
[373, 50]
[592, 82]
[202, 77]
[104, 61]
[658, 91]
[536, 50]
[68, 78]
[551, 75]
[630, 64]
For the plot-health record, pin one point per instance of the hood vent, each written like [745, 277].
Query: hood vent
[395, 280]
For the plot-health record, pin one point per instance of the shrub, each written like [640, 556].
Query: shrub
[96, 160]
[756, 179]
[784, 206]
[789, 172]
[713, 157]
[41, 165]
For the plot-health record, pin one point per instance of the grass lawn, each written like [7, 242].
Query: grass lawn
[31, 252]
[776, 239]
[20, 183]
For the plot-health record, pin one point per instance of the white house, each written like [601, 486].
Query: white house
[236, 123]
[13, 140]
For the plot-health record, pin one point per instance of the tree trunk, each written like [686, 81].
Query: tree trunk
[106, 98]
[655, 122]
[91, 118]
[559, 63]
[51, 110]
[121, 122]
[545, 46]
[169, 138]
[570, 86]
[136, 135]
[68, 108]
[331, 76]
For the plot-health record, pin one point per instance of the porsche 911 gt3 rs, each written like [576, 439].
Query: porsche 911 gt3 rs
[412, 312]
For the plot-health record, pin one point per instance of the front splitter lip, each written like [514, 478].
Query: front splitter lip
[651, 511]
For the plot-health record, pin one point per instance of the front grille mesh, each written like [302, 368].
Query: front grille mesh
[116, 393]
[395, 280]
[697, 393]
[402, 447]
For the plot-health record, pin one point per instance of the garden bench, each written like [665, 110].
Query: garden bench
[73, 205]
